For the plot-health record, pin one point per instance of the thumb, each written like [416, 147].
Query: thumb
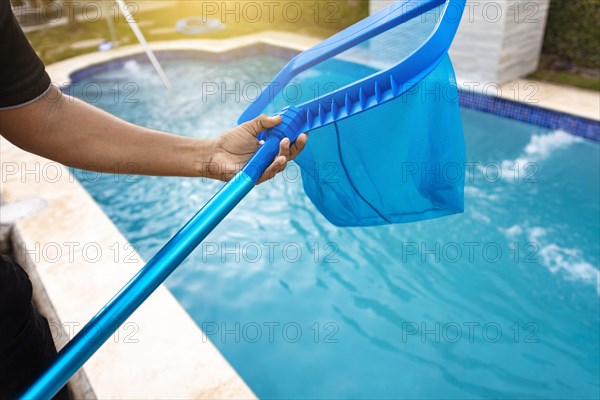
[262, 123]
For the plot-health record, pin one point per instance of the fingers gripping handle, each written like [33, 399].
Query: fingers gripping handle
[292, 121]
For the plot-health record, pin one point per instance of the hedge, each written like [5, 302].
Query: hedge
[573, 32]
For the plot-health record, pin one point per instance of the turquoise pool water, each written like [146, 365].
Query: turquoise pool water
[499, 302]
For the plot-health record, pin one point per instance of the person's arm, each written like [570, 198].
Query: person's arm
[77, 134]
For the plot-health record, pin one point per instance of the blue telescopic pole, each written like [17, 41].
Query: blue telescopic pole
[153, 274]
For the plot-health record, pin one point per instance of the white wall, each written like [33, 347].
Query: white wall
[498, 40]
[523, 38]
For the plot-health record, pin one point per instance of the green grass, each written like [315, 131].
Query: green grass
[567, 78]
[53, 44]
[556, 69]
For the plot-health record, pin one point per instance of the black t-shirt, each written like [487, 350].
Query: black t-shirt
[23, 77]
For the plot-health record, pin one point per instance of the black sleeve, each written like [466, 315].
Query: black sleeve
[23, 77]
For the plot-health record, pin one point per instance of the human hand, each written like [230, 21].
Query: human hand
[231, 150]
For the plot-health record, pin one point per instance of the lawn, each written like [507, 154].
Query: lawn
[554, 69]
[567, 78]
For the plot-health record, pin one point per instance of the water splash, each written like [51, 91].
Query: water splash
[540, 147]
[563, 259]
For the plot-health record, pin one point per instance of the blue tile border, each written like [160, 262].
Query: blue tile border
[578, 126]
[546, 118]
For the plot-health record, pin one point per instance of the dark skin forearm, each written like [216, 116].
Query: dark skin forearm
[76, 134]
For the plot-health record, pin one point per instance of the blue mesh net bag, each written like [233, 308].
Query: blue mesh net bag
[380, 102]
[399, 162]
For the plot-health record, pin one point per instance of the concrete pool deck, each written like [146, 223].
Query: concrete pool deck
[565, 99]
[78, 259]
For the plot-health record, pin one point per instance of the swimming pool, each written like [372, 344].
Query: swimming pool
[501, 301]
